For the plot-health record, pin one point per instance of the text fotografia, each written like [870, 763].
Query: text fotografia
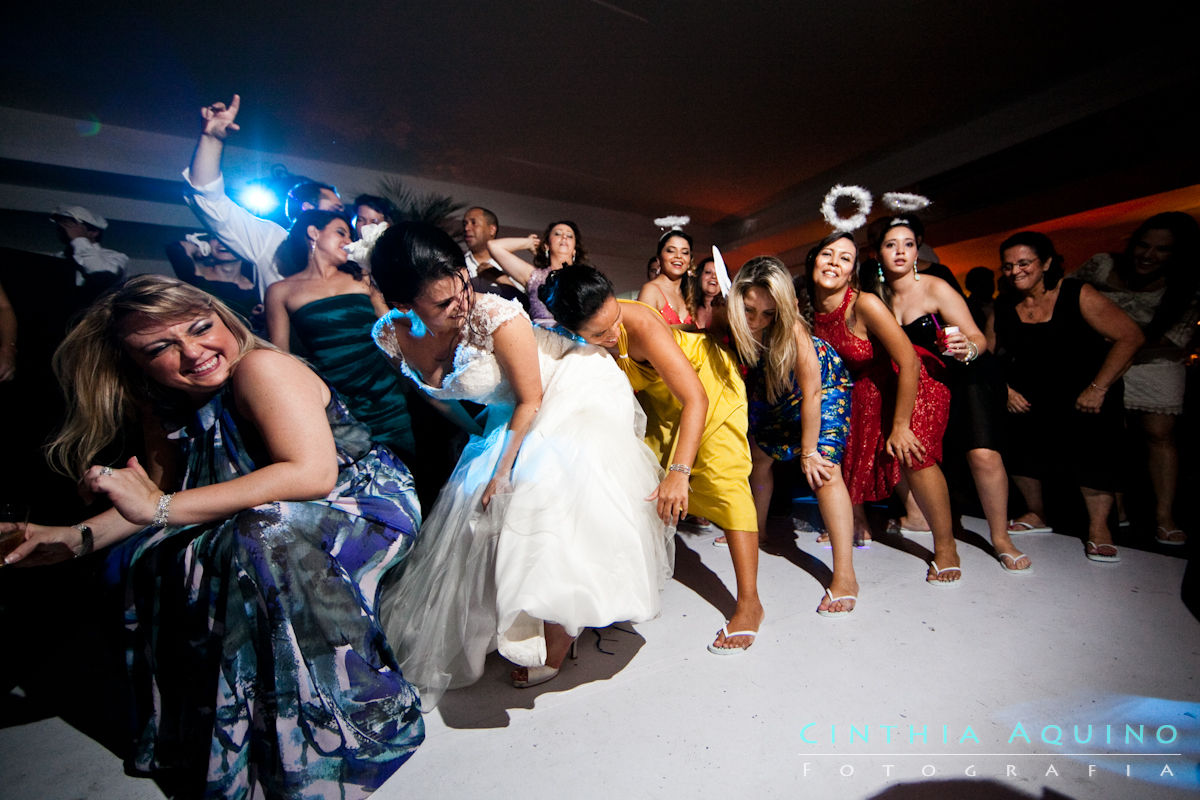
[1052, 735]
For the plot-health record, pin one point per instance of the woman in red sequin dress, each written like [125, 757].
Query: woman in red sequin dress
[889, 383]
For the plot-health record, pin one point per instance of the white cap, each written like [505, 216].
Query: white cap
[80, 214]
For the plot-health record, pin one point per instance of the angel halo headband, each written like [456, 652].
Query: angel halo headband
[672, 223]
[862, 200]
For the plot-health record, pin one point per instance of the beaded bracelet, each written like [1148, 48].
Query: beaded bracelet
[163, 510]
[684, 468]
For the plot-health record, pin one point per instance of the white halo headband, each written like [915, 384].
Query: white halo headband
[862, 203]
[672, 223]
[904, 201]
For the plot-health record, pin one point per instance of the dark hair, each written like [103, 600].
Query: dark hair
[1040, 243]
[981, 281]
[574, 294]
[297, 247]
[379, 204]
[411, 255]
[306, 191]
[662, 240]
[695, 296]
[542, 257]
[805, 288]
[878, 229]
[490, 217]
[1182, 269]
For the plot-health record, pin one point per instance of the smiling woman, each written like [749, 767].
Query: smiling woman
[267, 518]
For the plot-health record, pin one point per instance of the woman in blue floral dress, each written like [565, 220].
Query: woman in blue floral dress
[799, 393]
[258, 665]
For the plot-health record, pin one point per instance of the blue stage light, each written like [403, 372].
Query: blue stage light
[258, 199]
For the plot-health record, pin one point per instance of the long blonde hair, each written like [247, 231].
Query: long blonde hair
[104, 387]
[778, 348]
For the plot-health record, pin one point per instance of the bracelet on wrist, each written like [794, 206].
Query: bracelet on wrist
[163, 510]
[972, 352]
[810, 455]
[1098, 386]
[684, 468]
[88, 540]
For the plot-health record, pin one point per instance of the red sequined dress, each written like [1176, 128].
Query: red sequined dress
[870, 473]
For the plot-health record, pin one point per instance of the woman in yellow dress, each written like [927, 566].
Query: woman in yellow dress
[695, 404]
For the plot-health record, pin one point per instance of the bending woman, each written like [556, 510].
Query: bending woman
[695, 403]
[925, 305]
[544, 528]
[799, 406]
[253, 544]
[869, 340]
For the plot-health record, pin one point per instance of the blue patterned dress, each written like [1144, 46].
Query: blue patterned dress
[776, 426]
[258, 665]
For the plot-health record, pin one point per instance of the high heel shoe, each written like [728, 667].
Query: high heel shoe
[543, 673]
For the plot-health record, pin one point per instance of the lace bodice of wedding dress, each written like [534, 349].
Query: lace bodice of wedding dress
[475, 373]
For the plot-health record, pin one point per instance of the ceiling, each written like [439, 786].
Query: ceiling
[739, 114]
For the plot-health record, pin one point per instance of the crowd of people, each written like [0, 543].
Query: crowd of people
[481, 453]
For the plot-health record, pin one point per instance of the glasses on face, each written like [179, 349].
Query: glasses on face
[1009, 266]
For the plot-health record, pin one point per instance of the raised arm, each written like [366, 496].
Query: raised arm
[651, 340]
[1108, 320]
[217, 122]
[515, 349]
[504, 251]
[902, 443]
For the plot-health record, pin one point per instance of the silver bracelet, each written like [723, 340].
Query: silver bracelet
[972, 352]
[810, 455]
[684, 468]
[1097, 386]
[164, 509]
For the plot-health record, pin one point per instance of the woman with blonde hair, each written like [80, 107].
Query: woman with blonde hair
[799, 393]
[253, 543]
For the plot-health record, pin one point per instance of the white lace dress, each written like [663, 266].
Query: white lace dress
[573, 542]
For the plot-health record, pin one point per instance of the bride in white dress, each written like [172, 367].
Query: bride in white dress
[549, 523]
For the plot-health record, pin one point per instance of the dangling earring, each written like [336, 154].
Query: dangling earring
[880, 270]
[916, 275]
[416, 326]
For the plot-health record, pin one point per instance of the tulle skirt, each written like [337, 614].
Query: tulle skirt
[573, 541]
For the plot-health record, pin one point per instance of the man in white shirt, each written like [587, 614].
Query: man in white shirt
[253, 238]
[81, 230]
[480, 226]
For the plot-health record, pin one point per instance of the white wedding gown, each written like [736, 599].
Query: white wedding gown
[574, 542]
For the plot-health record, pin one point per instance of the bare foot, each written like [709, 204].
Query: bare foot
[846, 598]
[823, 537]
[744, 619]
[944, 568]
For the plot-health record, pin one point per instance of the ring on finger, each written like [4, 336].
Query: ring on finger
[106, 470]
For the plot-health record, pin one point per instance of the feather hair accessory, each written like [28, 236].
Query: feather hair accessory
[722, 272]
[862, 203]
[904, 201]
[672, 223]
[360, 251]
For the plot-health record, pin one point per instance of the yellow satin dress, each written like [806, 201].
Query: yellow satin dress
[720, 482]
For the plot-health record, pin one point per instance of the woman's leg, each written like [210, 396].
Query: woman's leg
[1099, 505]
[991, 481]
[1031, 492]
[762, 484]
[558, 644]
[912, 519]
[929, 486]
[1162, 460]
[833, 499]
[748, 615]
